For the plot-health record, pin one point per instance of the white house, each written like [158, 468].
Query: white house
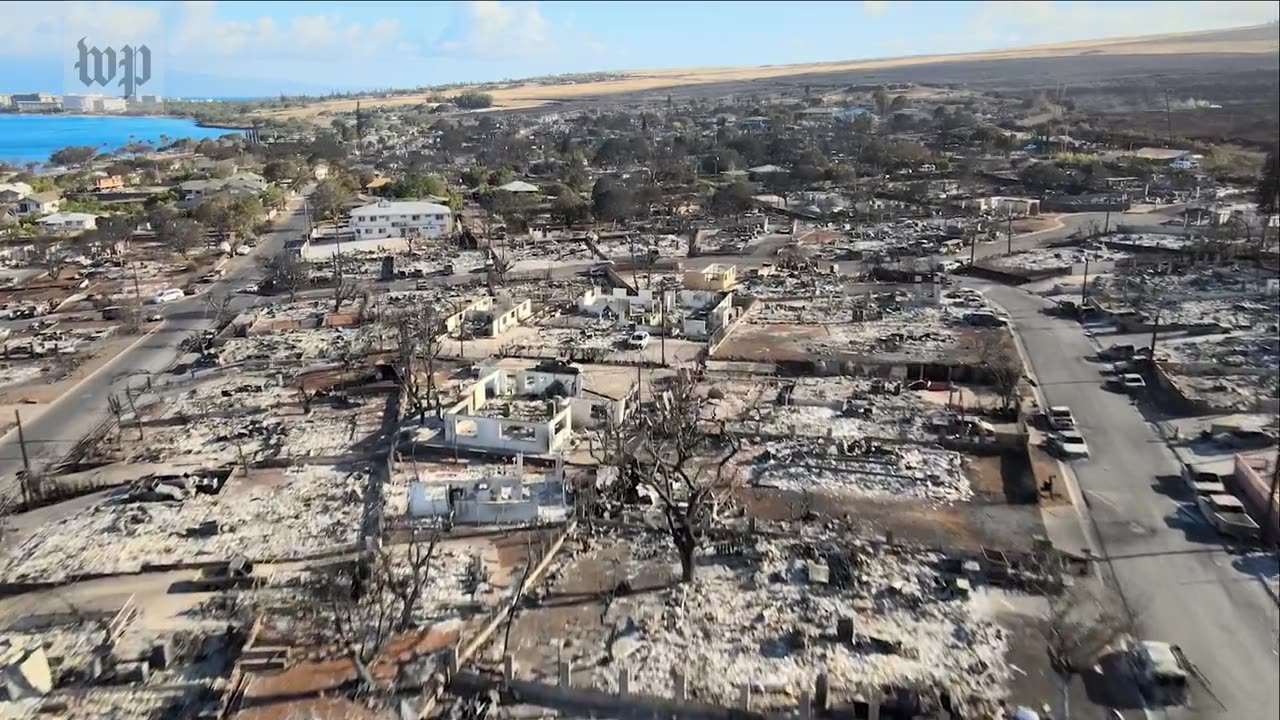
[406, 218]
[38, 204]
[69, 222]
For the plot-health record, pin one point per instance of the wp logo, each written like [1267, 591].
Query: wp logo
[131, 64]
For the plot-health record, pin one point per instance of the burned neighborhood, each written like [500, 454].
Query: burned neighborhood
[915, 392]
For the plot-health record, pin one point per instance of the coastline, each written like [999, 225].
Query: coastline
[162, 116]
[33, 137]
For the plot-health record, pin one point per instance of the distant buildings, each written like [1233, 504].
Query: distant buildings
[93, 103]
[36, 102]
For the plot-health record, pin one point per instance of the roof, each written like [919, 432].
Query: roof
[517, 186]
[65, 217]
[45, 197]
[401, 207]
[766, 169]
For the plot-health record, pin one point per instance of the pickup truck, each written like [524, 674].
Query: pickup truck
[1161, 671]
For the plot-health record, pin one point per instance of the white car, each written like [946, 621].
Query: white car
[164, 296]
[1069, 443]
[639, 340]
[1060, 418]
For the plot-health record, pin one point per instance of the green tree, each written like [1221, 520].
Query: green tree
[282, 170]
[272, 197]
[569, 207]
[472, 100]
[329, 200]
[73, 155]
[611, 200]
[733, 199]
[183, 235]
[417, 186]
[246, 213]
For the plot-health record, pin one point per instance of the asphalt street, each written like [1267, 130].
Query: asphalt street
[1173, 571]
[55, 432]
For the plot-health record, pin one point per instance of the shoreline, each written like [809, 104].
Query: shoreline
[126, 115]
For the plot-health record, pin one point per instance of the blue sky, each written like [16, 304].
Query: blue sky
[257, 48]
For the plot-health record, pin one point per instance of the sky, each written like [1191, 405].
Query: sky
[244, 49]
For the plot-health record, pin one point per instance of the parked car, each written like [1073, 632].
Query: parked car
[1069, 444]
[1133, 383]
[1116, 352]
[639, 340]
[1060, 418]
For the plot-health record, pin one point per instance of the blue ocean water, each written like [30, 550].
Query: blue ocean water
[26, 138]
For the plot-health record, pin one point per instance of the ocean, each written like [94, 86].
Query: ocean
[31, 138]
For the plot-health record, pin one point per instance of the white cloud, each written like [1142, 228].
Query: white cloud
[874, 8]
[202, 33]
[493, 29]
[40, 28]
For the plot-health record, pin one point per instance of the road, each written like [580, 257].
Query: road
[1171, 568]
[55, 432]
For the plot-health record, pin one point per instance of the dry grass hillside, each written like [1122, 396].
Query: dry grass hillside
[1250, 41]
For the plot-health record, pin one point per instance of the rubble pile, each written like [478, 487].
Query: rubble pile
[312, 508]
[775, 622]
[1227, 297]
[1048, 258]
[1254, 350]
[251, 418]
[284, 347]
[862, 468]
[640, 247]
[786, 284]
[17, 374]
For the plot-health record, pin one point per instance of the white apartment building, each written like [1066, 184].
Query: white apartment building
[93, 103]
[406, 218]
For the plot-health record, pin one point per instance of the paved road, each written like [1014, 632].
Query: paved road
[54, 433]
[1171, 568]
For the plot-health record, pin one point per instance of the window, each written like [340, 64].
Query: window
[415, 217]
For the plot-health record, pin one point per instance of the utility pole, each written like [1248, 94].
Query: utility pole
[662, 339]
[973, 248]
[1155, 329]
[1009, 230]
[1106, 225]
[1084, 286]
[26, 462]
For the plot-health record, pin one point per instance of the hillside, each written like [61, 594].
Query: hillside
[1248, 48]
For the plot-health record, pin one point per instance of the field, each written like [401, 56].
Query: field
[1242, 50]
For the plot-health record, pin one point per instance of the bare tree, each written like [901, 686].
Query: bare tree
[407, 578]
[1002, 366]
[684, 466]
[52, 258]
[286, 271]
[345, 288]
[220, 308]
[362, 610]
[361, 617]
[420, 336]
